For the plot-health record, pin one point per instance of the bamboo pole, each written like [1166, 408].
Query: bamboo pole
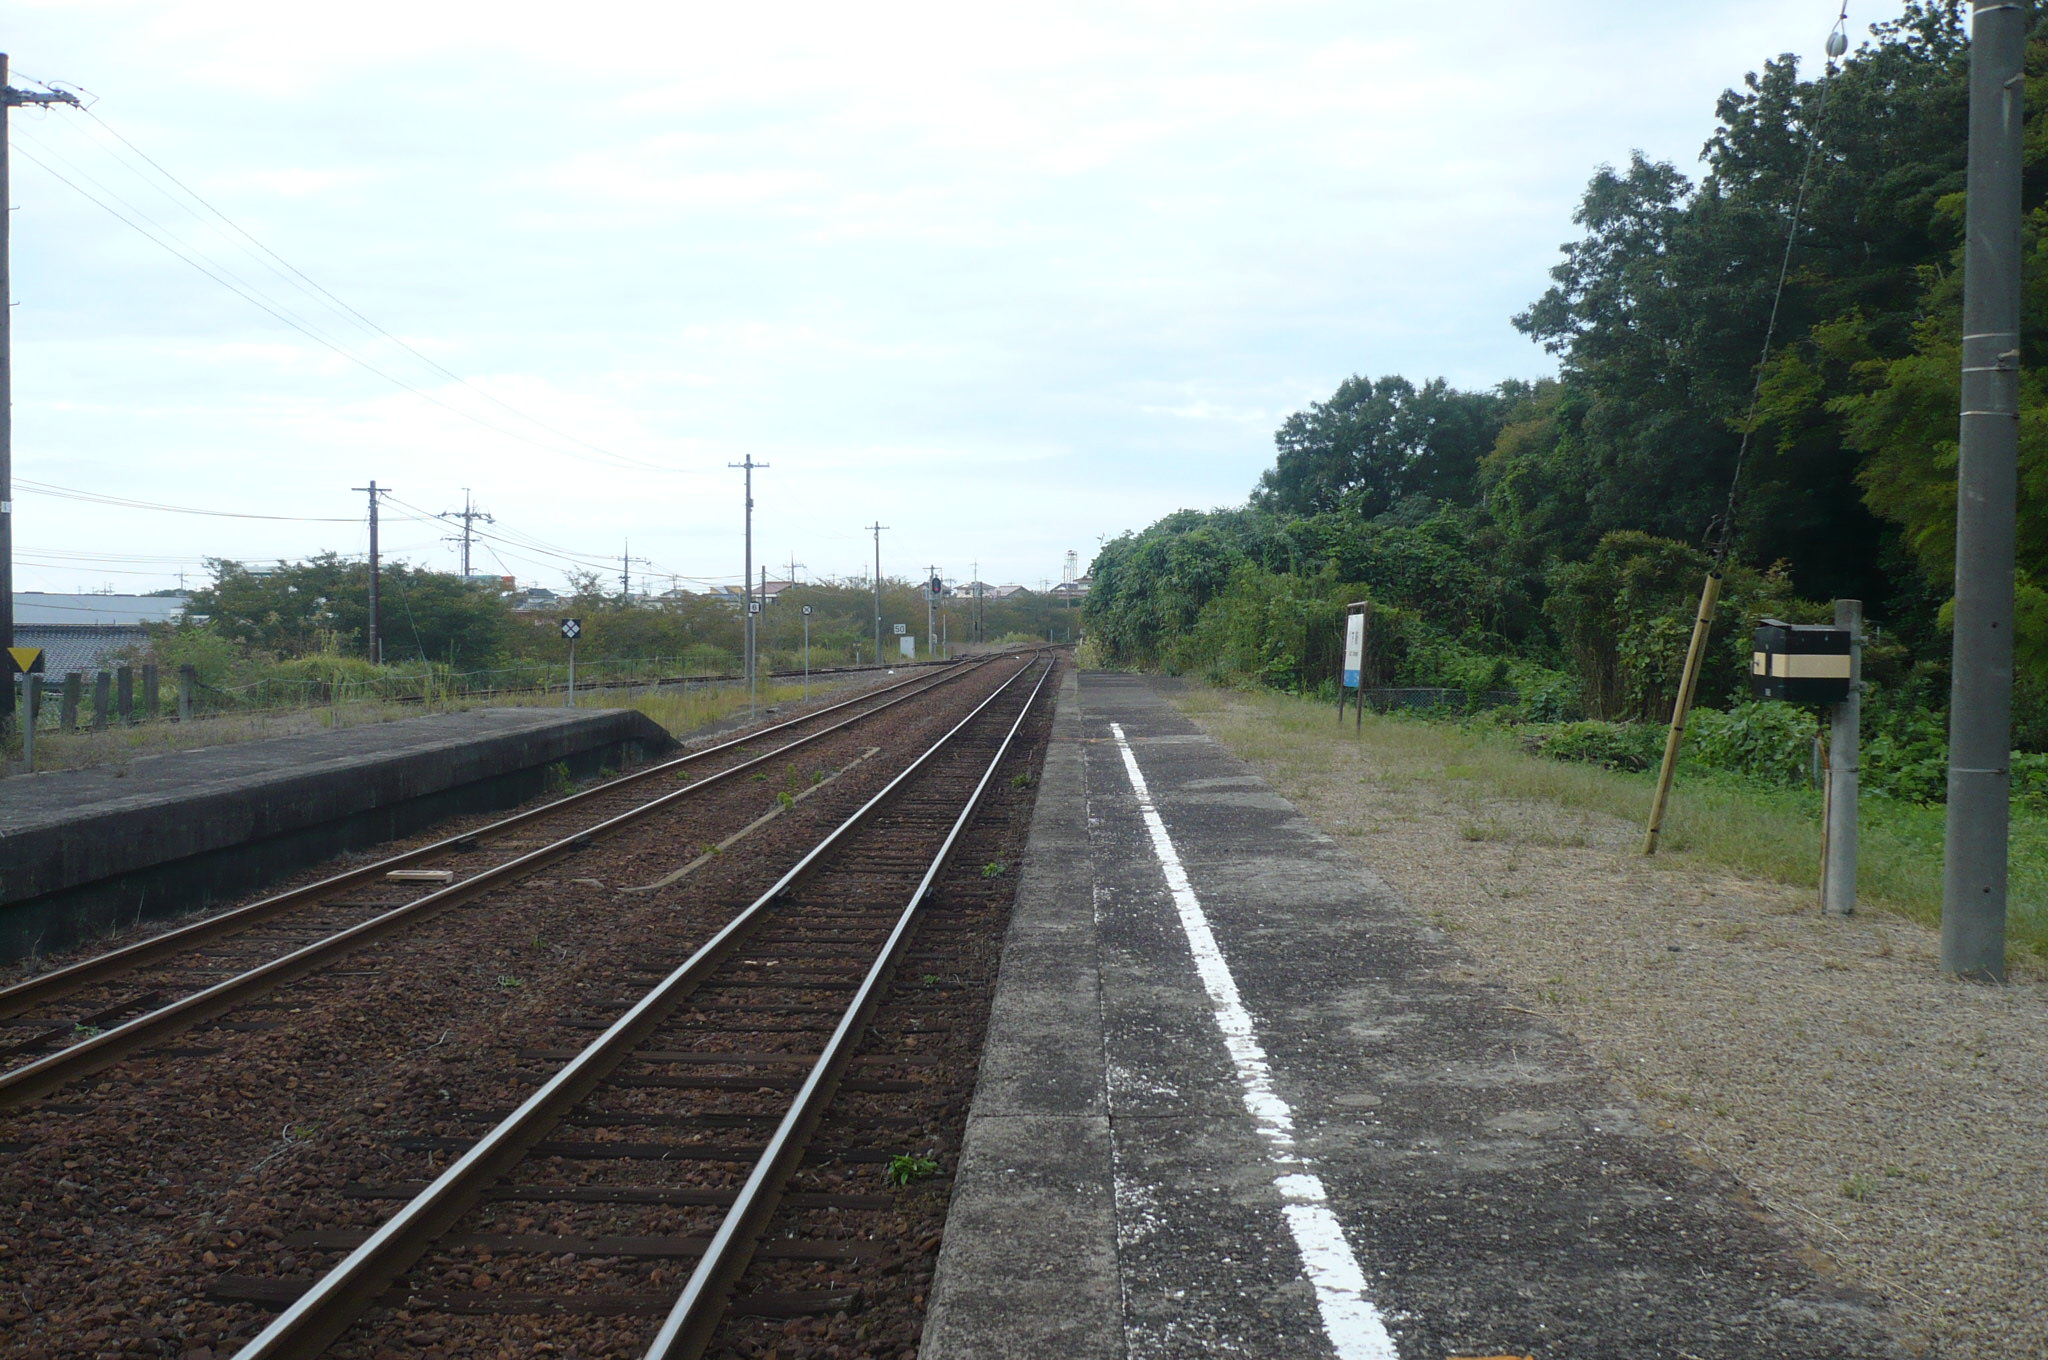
[1710, 595]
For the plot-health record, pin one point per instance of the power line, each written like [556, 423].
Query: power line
[98, 498]
[309, 282]
[252, 294]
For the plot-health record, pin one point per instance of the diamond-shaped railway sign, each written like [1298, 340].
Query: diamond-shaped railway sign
[572, 628]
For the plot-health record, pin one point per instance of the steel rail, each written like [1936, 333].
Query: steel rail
[89, 1055]
[324, 1312]
[690, 1324]
[35, 991]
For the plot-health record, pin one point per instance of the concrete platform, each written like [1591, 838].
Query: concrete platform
[1232, 1104]
[84, 849]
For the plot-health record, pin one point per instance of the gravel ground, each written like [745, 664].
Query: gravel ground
[121, 1203]
[1894, 1118]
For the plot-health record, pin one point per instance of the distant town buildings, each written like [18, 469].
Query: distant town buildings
[88, 632]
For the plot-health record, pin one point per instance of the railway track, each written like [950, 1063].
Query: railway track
[70, 1022]
[690, 1110]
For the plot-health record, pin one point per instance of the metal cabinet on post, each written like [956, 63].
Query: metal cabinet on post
[1801, 663]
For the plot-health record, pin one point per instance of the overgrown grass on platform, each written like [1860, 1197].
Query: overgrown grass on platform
[1765, 832]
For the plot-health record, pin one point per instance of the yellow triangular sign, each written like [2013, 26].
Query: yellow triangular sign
[25, 658]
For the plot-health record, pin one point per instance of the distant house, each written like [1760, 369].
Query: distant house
[86, 632]
[1005, 592]
[737, 595]
[1072, 590]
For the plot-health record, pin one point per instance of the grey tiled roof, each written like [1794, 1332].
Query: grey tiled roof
[76, 649]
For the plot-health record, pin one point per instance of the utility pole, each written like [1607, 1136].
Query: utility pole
[747, 574]
[1974, 861]
[376, 642]
[626, 561]
[469, 515]
[878, 526]
[10, 98]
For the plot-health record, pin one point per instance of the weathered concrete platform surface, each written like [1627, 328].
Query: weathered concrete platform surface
[1234, 1103]
[81, 849]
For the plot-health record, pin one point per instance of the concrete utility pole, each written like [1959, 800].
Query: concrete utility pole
[469, 515]
[10, 98]
[626, 561]
[376, 640]
[747, 573]
[1973, 880]
[1845, 740]
[878, 526]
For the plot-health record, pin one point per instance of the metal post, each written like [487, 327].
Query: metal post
[753, 679]
[33, 708]
[931, 611]
[1973, 887]
[807, 652]
[570, 702]
[1838, 876]
[747, 574]
[878, 526]
[1688, 681]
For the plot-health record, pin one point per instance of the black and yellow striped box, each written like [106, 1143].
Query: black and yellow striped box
[1801, 663]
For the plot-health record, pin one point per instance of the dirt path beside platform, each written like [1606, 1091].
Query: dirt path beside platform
[1895, 1119]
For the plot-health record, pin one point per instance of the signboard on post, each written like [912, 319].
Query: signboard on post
[1357, 617]
[901, 629]
[572, 629]
[909, 646]
[26, 660]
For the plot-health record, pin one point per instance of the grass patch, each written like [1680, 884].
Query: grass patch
[1771, 833]
[682, 710]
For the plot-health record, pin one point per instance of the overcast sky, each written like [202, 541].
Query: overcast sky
[1006, 278]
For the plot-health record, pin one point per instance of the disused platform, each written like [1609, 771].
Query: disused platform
[83, 850]
[1236, 1102]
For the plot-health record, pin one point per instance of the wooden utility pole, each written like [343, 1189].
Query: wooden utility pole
[376, 641]
[10, 98]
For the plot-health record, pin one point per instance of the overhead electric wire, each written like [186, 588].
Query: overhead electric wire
[1756, 395]
[100, 498]
[309, 282]
[255, 296]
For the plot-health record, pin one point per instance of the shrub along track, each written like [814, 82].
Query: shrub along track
[130, 1197]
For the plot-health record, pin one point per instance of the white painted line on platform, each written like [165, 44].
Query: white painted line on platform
[1352, 1322]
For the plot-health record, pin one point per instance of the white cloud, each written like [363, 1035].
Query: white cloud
[1009, 277]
